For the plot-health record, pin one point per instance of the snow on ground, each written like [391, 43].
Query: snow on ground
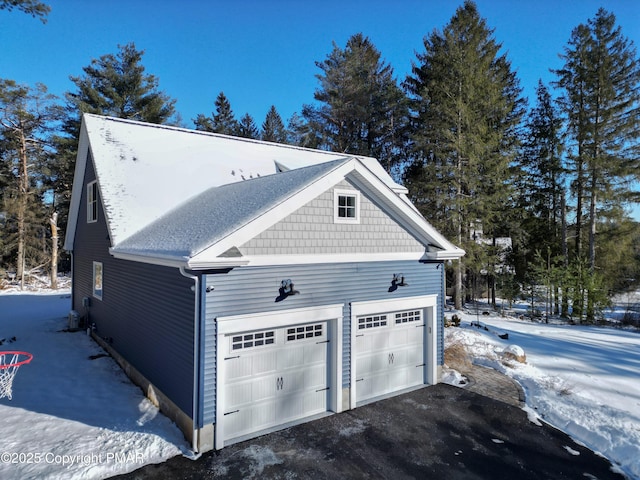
[583, 380]
[74, 414]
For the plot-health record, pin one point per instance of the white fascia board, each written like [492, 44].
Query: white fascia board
[272, 260]
[165, 261]
[408, 217]
[446, 254]
[277, 213]
[378, 170]
[77, 188]
[169, 261]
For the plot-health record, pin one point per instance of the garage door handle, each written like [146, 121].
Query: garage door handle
[229, 413]
[421, 365]
[322, 389]
[326, 341]
[231, 358]
[360, 380]
[279, 383]
[390, 358]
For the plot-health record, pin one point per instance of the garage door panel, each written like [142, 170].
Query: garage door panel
[391, 357]
[264, 362]
[315, 377]
[377, 342]
[315, 354]
[292, 357]
[399, 337]
[266, 385]
[397, 378]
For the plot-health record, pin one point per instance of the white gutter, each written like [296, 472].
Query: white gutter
[196, 356]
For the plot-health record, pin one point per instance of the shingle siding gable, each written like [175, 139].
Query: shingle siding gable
[311, 230]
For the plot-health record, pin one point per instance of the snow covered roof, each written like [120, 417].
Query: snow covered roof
[169, 193]
[144, 170]
[207, 218]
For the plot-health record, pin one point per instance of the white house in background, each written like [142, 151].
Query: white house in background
[247, 286]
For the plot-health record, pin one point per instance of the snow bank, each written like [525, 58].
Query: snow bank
[580, 379]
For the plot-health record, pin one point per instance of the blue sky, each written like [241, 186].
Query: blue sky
[262, 52]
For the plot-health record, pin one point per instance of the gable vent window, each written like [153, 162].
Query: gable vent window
[92, 202]
[346, 206]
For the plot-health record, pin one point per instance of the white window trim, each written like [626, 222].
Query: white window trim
[94, 289]
[91, 201]
[337, 193]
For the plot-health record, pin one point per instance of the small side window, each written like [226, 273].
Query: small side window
[346, 206]
[97, 280]
[92, 202]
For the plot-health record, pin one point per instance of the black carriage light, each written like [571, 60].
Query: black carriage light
[286, 289]
[398, 281]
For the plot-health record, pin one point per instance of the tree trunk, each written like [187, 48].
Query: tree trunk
[22, 208]
[53, 221]
[565, 254]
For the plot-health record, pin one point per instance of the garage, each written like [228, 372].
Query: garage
[279, 374]
[393, 345]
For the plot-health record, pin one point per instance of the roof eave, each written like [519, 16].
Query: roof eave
[445, 254]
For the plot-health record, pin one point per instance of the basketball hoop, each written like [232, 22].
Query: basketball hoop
[9, 364]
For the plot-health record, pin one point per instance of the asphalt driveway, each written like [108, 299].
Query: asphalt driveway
[439, 432]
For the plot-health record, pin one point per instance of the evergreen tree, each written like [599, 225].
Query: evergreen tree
[27, 119]
[299, 132]
[362, 110]
[247, 127]
[222, 121]
[601, 80]
[541, 185]
[273, 129]
[117, 85]
[467, 106]
[114, 85]
[34, 8]
[601, 99]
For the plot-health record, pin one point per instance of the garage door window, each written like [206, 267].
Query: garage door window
[410, 316]
[251, 340]
[373, 321]
[301, 333]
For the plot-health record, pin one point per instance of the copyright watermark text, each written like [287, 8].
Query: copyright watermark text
[71, 460]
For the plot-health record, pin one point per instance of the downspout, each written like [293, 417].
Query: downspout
[196, 354]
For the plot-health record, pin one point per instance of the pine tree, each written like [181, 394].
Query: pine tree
[247, 127]
[601, 100]
[273, 129]
[27, 119]
[114, 85]
[117, 85]
[34, 8]
[467, 106]
[541, 187]
[299, 133]
[362, 109]
[222, 121]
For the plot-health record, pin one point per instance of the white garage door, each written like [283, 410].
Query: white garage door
[274, 376]
[389, 352]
